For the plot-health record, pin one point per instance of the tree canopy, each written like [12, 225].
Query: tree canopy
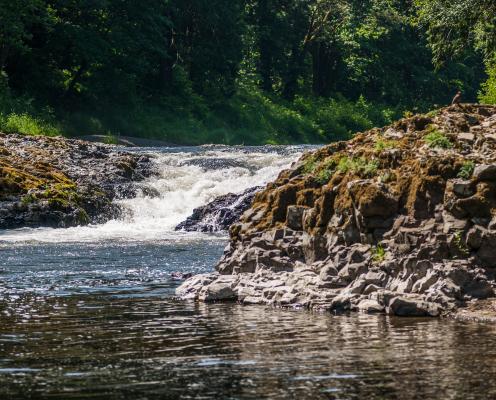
[239, 71]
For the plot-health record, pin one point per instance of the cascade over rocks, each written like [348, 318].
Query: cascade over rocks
[60, 182]
[399, 220]
[219, 214]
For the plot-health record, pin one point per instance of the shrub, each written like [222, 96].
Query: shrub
[378, 254]
[111, 139]
[460, 244]
[437, 139]
[310, 165]
[466, 170]
[360, 166]
[381, 145]
[488, 93]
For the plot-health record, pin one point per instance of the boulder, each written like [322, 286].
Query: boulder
[370, 306]
[411, 307]
[294, 217]
[219, 214]
[219, 290]
[485, 172]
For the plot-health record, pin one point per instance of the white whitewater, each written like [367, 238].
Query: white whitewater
[188, 178]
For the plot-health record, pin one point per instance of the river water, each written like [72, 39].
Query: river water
[89, 312]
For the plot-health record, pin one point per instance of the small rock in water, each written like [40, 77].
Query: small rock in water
[219, 214]
[180, 276]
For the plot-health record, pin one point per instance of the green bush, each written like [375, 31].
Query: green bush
[360, 166]
[437, 139]
[466, 170]
[381, 145]
[488, 93]
[378, 254]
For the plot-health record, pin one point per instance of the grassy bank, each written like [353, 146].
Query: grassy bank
[249, 117]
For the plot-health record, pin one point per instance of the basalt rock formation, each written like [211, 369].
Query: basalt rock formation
[58, 182]
[219, 214]
[400, 220]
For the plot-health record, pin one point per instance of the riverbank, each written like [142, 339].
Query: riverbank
[250, 117]
[60, 182]
[399, 220]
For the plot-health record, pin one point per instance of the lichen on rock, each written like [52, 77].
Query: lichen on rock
[59, 182]
[422, 191]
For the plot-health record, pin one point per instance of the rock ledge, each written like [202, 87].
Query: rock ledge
[398, 220]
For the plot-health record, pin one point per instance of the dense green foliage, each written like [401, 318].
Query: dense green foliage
[235, 71]
[455, 27]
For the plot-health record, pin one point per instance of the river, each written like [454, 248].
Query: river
[89, 312]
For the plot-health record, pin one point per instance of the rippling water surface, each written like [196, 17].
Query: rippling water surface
[90, 313]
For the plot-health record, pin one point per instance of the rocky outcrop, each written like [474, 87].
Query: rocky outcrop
[219, 214]
[59, 182]
[400, 220]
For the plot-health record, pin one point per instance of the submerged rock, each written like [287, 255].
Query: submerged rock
[398, 220]
[59, 182]
[219, 214]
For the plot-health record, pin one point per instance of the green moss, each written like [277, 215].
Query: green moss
[324, 176]
[310, 165]
[387, 177]
[432, 114]
[359, 165]
[29, 199]
[381, 145]
[82, 217]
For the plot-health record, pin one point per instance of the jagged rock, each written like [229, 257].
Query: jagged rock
[485, 172]
[370, 306]
[393, 230]
[294, 217]
[60, 182]
[219, 290]
[219, 214]
[403, 306]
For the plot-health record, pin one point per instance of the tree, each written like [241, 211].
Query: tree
[453, 25]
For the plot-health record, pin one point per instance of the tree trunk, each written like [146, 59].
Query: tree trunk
[4, 53]
[295, 69]
[325, 68]
[265, 67]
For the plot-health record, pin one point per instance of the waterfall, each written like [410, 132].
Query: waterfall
[186, 178]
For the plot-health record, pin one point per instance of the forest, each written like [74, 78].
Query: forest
[238, 71]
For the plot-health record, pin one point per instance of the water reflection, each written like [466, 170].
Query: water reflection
[107, 347]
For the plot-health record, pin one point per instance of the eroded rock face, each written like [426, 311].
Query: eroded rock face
[219, 214]
[59, 182]
[398, 220]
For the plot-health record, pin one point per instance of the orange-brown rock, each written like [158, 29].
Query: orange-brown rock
[61, 182]
[400, 219]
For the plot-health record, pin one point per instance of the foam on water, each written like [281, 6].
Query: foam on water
[185, 181]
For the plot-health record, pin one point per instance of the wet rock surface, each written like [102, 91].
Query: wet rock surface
[399, 220]
[59, 182]
[219, 214]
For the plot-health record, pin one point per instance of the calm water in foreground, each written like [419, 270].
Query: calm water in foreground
[90, 313]
[113, 330]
